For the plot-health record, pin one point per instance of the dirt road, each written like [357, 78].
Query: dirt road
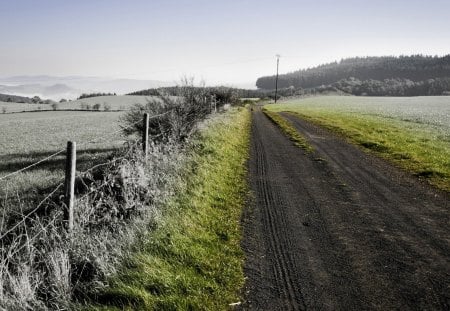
[338, 229]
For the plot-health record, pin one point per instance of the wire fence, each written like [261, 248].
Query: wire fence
[100, 139]
[79, 175]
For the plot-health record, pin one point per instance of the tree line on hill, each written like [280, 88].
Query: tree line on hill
[222, 94]
[15, 99]
[26, 100]
[372, 76]
[84, 95]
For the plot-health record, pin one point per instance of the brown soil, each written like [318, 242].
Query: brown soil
[338, 229]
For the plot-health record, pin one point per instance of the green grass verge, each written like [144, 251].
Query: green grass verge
[409, 145]
[287, 128]
[193, 260]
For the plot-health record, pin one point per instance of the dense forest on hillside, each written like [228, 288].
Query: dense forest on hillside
[395, 76]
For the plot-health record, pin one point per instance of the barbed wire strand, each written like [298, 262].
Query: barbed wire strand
[31, 212]
[32, 165]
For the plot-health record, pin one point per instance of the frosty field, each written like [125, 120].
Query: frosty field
[31, 136]
[412, 132]
[431, 111]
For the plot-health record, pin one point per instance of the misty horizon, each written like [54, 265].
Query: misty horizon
[230, 43]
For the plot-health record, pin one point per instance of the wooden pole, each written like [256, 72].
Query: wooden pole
[276, 80]
[69, 189]
[145, 136]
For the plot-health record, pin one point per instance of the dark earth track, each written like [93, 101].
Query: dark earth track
[338, 229]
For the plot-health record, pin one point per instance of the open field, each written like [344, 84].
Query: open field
[123, 102]
[414, 132]
[29, 137]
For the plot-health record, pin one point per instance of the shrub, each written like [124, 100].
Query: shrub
[106, 107]
[225, 95]
[96, 107]
[177, 115]
[54, 106]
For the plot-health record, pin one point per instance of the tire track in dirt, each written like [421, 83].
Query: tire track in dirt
[282, 265]
[339, 230]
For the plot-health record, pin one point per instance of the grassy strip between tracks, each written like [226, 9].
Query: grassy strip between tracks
[406, 144]
[193, 260]
[288, 129]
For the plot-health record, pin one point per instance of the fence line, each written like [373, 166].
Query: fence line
[27, 216]
[101, 139]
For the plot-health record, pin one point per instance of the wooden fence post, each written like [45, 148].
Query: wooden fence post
[69, 185]
[145, 136]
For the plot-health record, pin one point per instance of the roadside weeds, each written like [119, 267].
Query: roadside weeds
[193, 259]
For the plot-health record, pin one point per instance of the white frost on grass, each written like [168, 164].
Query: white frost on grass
[431, 112]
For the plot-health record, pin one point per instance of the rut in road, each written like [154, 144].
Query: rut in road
[338, 229]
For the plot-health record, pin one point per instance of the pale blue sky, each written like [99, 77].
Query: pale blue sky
[220, 41]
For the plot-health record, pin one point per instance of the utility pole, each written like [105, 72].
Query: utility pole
[276, 80]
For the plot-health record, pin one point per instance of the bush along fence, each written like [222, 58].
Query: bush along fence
[70, 173]
[65, 246]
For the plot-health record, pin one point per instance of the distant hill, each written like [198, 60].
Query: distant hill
[15, 99]
[71, 87]
[54, 91]
[408, 71]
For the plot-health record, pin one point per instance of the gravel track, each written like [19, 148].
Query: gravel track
[338, 229]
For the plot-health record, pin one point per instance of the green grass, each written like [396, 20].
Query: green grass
[288, 129]
[416, 144]
[193, 260]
